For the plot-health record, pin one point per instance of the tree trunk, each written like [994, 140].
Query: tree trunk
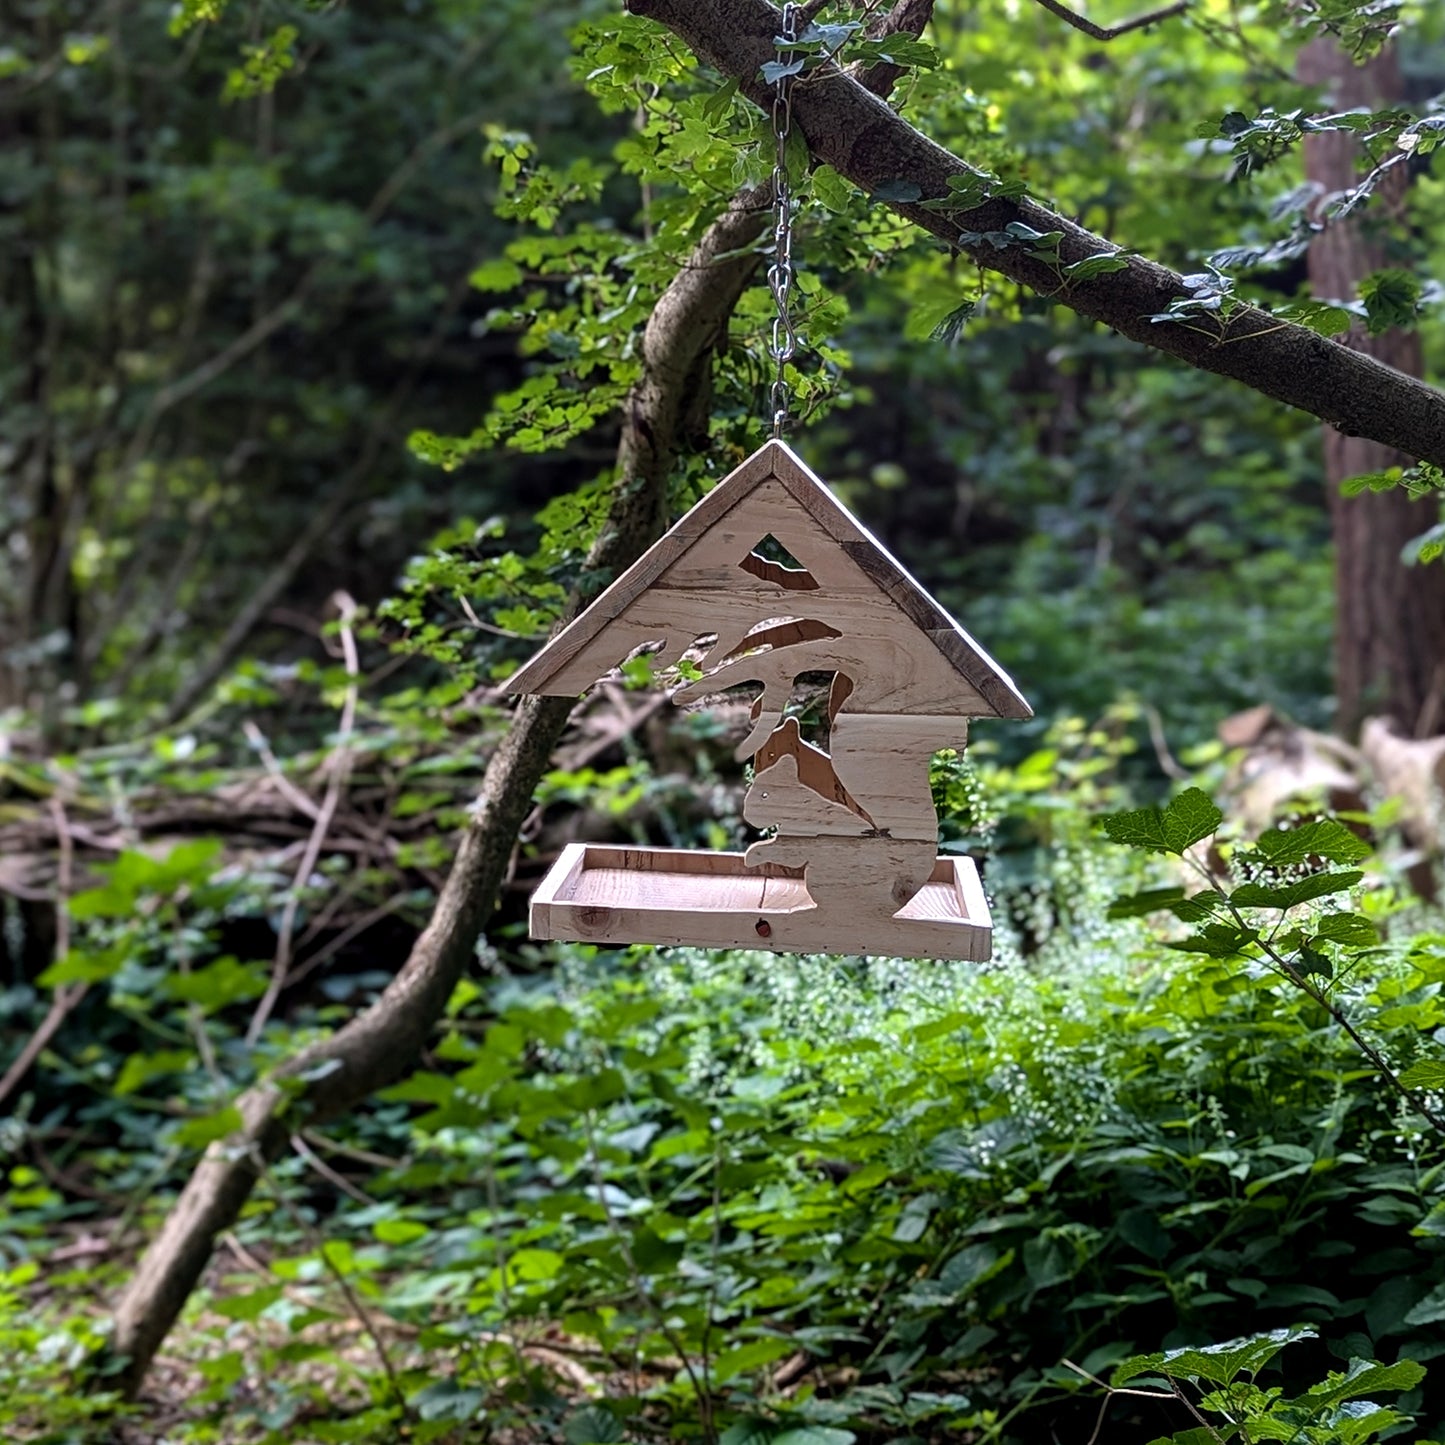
[1389, 617]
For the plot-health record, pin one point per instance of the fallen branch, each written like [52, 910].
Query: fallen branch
[67, 996]
[338, 768]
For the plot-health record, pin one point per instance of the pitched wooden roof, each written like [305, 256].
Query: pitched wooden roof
[682, 583]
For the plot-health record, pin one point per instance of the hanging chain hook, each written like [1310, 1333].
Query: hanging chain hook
[784, 341]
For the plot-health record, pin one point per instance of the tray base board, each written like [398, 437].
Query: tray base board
[602, 894]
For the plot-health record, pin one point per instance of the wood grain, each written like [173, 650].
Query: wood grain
[598, 894]
[855, 837]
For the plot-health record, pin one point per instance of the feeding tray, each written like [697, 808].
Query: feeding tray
[608, 895]
[771, 579]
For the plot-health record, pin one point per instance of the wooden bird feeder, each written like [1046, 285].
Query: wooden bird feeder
[852, 864]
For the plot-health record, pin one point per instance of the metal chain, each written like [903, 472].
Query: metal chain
[780, 274]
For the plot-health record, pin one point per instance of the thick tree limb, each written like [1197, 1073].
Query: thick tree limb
[669, 402]
[864, 140]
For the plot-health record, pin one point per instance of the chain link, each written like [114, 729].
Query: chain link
[784, 341]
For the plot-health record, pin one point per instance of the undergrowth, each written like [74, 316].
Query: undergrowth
[659, 1194]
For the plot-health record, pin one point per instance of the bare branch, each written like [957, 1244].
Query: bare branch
[1113, 32]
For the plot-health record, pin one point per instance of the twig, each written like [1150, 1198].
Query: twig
[1112, 32]
[352, 930]
[1110, 1391]
[284, 785]
[339, 766]
[196, 1020]
[348, 1151]
[67, 996]
[471, 613]
[1161, 745]
[328, 1173]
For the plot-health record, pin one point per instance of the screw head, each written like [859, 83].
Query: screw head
[763, 928]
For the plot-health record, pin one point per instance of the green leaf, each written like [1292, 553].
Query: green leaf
[1288, 895]
[593, 1425]
[1324, 839]
[830, 190]
[1373, 482]
[1391, 297]
[1093, 266]
[752, 1355]
[226, 981]
[1137, 828]
[1218, 1364]
[1424, 1074]
[448, 1400]
[499, 274]
[196, 1133]
[1151, 900]
[1188, 819]
[1218, 940]
[140, 1069]
[247, 1306]
[971, 1266]
[1319, 316]
[85, 966]
[1353, 930]
[1369, 1377]
[1429, 1311]
[399, 1231]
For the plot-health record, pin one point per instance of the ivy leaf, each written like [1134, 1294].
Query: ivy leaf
[1092, 266]
[1188, 819]
[830, 37]
[1319, 316]
[775, 70]
[950, 329]
[830, 190]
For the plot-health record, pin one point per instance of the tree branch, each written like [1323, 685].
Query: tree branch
[1113, 32]
[668, 403]
[864, 140]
